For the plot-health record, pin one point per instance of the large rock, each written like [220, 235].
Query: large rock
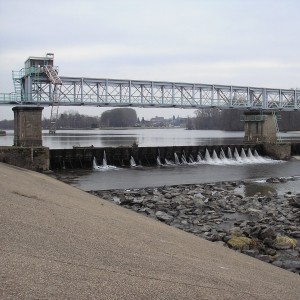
[240, 243]
[164, 217]
[284, 242]
[291, 264]
[267, 233]
[295, 234]
[295, 202]
[273, 180]
[198, 196]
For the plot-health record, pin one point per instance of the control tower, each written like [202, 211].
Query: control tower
[29, 84]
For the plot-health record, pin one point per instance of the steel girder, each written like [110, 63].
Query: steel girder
[113, 92]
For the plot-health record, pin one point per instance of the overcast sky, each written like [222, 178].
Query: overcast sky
[232, 42]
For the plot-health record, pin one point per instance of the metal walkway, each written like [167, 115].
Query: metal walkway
[39, 89]
[137, 93]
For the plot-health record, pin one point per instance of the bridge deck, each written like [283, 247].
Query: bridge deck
[136, 93]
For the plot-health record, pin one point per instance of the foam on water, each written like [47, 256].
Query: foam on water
[183, 160]
[169, 162]
[158, 161]
[214, 159]
[104, 166]
[132, 162]
[176, 159]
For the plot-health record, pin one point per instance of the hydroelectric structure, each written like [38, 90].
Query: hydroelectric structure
[38, 84]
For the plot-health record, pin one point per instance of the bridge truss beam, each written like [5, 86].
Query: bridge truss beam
[136, 93]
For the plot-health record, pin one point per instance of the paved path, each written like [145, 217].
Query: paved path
[57, 242]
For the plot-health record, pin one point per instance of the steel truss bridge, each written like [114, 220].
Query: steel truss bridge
[42, 90]
[38, 84]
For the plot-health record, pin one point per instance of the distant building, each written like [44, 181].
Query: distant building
[162, 122]
[157, 120]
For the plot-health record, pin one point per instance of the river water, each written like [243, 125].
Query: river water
[122, 178]
[66, 139]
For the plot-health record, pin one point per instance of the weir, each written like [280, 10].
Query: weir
[89, 157]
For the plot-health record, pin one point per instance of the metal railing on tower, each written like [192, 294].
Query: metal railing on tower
[56, 81]
[275, 119]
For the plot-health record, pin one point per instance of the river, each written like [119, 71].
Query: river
[66, 139]
[157, 176]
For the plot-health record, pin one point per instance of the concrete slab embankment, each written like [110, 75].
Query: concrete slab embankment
[57, 242]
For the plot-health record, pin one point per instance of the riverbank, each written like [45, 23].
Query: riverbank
[58, 242]
[266, 227]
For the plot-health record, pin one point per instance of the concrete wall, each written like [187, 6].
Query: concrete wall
[147, 156]
[295, 149]
[259, 128]
[269, 129]
[32, 158]
[43, 159]
[278, 151]
[28, 126]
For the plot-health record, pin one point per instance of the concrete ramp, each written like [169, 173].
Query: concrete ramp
[57, 242]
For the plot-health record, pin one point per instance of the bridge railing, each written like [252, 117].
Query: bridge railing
[31, 71]
[7, 98]
[253, 118]
[77, 91]
[69, 99]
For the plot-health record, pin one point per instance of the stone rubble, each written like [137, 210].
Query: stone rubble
[265, 227]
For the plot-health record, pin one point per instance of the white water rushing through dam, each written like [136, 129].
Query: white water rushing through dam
[213, 158]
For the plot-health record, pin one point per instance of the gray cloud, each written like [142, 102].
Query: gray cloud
[249, 42]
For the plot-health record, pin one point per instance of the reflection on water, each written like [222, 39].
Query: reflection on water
[266, 189]
[143, 137]
[263, 189]
[66, 139]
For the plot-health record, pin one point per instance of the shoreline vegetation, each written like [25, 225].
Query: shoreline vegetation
[266, 227]
[204, 119]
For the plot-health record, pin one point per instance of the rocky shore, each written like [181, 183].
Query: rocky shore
[266, 227]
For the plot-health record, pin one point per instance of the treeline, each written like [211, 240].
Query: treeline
[230, 120]
[118, 117]
[7, 124]
[73, 120]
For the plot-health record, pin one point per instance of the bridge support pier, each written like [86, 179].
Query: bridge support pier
[28, 126]
[259, 127]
